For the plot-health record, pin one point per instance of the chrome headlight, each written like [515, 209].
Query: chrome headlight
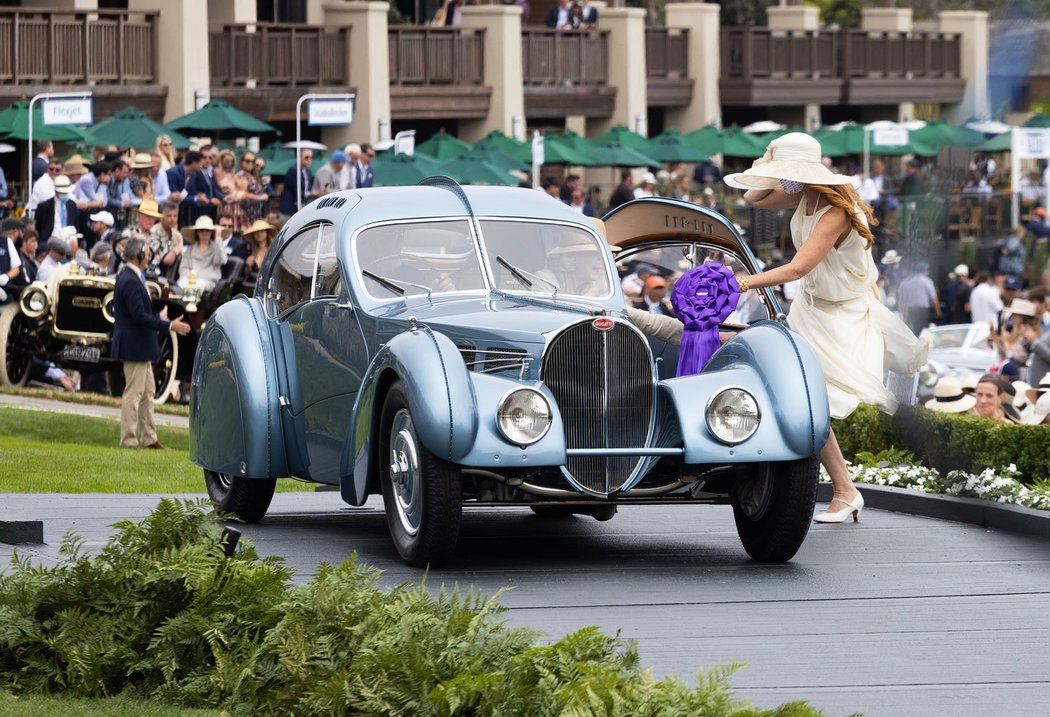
[35, 302]
[107, 307]
[733, 415]
[524, 416]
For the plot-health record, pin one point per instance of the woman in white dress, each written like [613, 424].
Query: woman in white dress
[204, 257]
[837, 309]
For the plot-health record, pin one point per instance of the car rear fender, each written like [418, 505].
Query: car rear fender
[779, 368]
[440, 396]
[235, 416]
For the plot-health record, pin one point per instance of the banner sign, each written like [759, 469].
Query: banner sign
[330, 112]
[1030, 143]
[405, 142]
[890, 137]
[67, 110]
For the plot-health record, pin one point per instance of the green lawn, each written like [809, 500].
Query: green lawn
[26, 706]
[44, 452]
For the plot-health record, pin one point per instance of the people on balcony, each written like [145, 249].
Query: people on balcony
[559, 17]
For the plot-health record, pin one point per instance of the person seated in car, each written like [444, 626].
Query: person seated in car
[577, 268]
[204, 257]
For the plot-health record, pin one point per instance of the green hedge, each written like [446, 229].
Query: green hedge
[948, 442]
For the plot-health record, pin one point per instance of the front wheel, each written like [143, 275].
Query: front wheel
[773, 508]
[247, 498]
[422, 494]
[15, 356]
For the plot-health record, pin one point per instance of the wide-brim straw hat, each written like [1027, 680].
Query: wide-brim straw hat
[203, 222]
[1041, 389]
[891, 257]
[150, 209]
[142, 160]
[259, 225]
[794, 157]
[948, 397]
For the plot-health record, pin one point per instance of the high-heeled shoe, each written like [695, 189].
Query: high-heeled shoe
[839, 516]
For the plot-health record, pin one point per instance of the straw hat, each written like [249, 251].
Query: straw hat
[75, 165]
[259, 225]
[647, 178]
[794, 157]
[1039, 411]
[1041, 389]
[891, 257]
[203, 222]
[150, 209]
[142, 161]
[1023, 307]
[948, 397]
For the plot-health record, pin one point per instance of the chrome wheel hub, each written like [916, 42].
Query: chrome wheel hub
[755, 493]
[405, 477]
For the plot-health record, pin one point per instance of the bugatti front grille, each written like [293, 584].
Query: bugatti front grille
[603, 383]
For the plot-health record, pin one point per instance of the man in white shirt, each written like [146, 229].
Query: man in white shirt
[647, 187]
[58, 252]
[985, 301]
[11, 231]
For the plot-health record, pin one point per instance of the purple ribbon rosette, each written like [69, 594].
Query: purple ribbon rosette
[702, 299]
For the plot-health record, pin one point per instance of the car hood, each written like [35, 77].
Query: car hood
[489, 318]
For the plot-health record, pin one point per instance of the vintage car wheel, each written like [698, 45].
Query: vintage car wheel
[247, 498]
[15, 359]
[422, 493]
[773, 508]
[165, 366]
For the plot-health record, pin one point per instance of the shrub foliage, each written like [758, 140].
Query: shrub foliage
[161, 613]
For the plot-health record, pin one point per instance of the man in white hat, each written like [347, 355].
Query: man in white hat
[102, 224]
[949, 397]
[646, 187]
[59, 210]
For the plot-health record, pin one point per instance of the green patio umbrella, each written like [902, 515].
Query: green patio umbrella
[849, 139]
[738, 143]
[570, 139]
[497, 158]
[1037, 121]
[443, 147]
[669, 146]
[613, 154]
[14, 124]
[939, 134]
[998, 143]
[400, 170]
[558, 149]
[707, 139]
[470, 170]
[500, 141]
[220, 118]
[132, 128]
[622, 136]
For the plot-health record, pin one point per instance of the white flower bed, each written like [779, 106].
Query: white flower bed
[1002, 486]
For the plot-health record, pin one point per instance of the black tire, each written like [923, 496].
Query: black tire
[773, 508]
[247, 498]
[15, 356]
[424, 499]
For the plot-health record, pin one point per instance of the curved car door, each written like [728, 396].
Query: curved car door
[324, 354]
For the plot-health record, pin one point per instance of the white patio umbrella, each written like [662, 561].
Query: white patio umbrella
[763, 127]
[989, 126]
[305, 144]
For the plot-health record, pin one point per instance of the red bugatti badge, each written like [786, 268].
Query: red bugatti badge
[603, 323]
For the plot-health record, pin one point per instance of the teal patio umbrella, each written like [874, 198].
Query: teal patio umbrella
[998, 143]
[614, 154]
[471, 170]
[849, 139]
[500, 141]
[1037, 121]
[219, 118]
[939, 134]
[669, 146]
[558, 149]
[132, 128]
[497, 158]
[738, 143]
[400, 170]
[443, 147]
[707, 139]
[622, 136]
[14, 124]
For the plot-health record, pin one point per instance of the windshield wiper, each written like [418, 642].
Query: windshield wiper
[396, 288]
[387, 283]
[524, 276]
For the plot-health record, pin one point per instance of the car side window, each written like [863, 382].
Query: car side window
[306, 268]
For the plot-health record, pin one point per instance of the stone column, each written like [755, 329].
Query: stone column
[368, 59]
[886, 19]
[793, 17]
[703, 64]
[626, 26]
[503, 70]
[973, 26]
[231, 12]
[181, 24]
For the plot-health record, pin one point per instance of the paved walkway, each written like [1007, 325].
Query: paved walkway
[896, 615]
[44, 404]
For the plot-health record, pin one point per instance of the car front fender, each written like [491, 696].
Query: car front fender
[440, 396]
[235, 419]
[782, 372]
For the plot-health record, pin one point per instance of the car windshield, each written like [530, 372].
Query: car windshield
[538, 256]
[419, 258]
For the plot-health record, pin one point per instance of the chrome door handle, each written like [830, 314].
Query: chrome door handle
[340, 305]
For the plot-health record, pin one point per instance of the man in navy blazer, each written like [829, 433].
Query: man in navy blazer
[135, 343]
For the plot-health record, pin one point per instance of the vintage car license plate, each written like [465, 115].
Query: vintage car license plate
[85, 354]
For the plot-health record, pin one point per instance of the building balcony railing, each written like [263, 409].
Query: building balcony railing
[552, 57]
[667, 52]
[59, 47]
[421, 55]
[277, 55]
[758, 52]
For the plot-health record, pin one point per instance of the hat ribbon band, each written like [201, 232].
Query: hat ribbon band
[949, 399]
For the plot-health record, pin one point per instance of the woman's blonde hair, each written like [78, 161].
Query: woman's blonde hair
[845, 197]
[170, 153]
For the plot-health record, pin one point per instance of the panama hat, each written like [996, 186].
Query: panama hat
[948, 397]
[150, 209]
[891, 257]
[203, 222]
[1039, 411]
[647, 178]
[1041, 389]
[63, 185]
[142, 161]
[259, 225]
[794, 157]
